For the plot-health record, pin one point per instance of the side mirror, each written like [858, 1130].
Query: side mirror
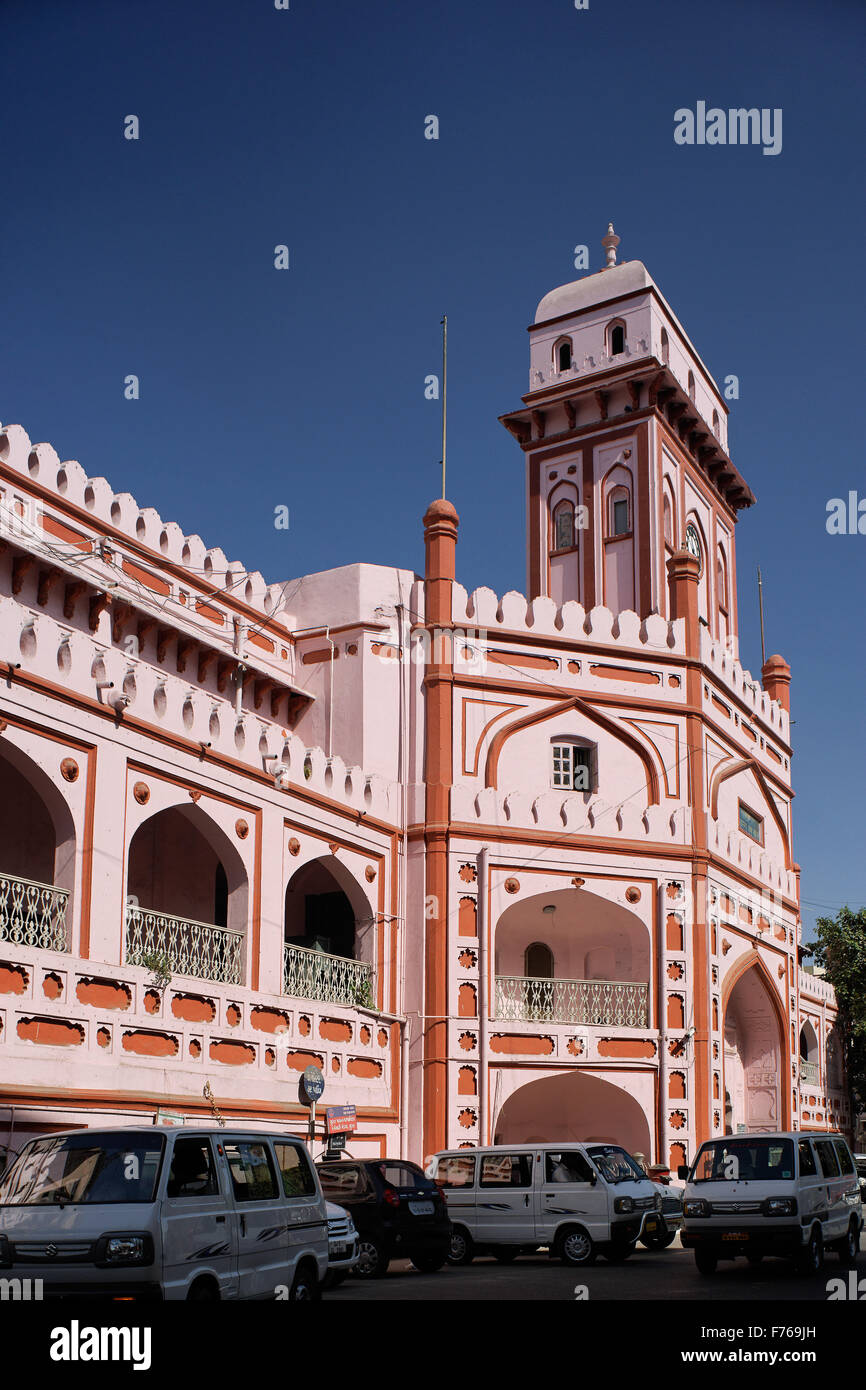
[593, 1179]
[683, 1170]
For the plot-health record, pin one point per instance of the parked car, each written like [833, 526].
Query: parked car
[860, 1165]
[398, 1212]
[160, 1212]
[342, 1245]
[578, 1200]
[788, 1194]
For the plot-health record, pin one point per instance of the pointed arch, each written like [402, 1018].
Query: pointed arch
[751, 960]
[722, 774]
[553, 712]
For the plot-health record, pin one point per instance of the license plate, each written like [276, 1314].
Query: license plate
[341, 1249]
[735, 1235]
[651, 1225]
[421, 1208]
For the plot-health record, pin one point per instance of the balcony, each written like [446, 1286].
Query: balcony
[33, 914]
[809, 1074]
[614, 1003]
[311, 974]
[197, 949]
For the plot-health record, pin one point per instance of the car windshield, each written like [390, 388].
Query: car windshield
[84, 1168]
[744, 1160]
[614, 1164]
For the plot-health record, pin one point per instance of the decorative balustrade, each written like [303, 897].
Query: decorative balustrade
[618, 1003]
[33, 914]
[809, 1073]
[336, 979]
[183, 946]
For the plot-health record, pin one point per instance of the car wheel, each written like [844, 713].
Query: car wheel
[461, 1250]
[372, 1261]
[428, 1263]
[659, 1242]
[203, 1291]
[575, 1247]
[811, 1260]
[506, 1254]
[617, 1254]
[706, 1261]
[849, 1248]
[305, 1286]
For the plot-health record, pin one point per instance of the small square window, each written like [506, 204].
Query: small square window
[572, 767]
[751, 825]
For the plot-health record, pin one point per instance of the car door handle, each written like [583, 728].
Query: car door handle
[526, 1200]
[243, 1224]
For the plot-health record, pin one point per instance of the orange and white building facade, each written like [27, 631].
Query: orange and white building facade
[504, 869]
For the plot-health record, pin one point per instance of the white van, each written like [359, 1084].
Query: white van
[578, 1200]
[162, 1212]
[790, 1194]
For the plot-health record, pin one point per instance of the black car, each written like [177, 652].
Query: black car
[398, 1212]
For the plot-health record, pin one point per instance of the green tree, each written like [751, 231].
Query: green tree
[841, 949]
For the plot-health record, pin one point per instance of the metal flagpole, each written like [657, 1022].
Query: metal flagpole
[761, 607]
[444, 392]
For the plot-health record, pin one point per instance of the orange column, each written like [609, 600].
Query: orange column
[440, 541]
[683, 578]
[776, 680]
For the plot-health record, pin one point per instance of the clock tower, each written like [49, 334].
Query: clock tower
[625, 436]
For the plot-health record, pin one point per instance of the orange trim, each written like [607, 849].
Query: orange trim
[552, 712]
[742, 765]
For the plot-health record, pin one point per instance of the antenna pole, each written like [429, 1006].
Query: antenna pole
[444, 392]
[761, 607]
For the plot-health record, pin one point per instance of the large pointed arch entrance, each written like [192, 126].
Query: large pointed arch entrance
[754, 1056]
[576, 1107]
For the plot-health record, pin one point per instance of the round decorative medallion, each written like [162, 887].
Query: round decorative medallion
[369, 873]
[242, 830]
[69, 769]
[693, 545]
[294, 846]
[512, 885]
[632, 895]
[141, 792]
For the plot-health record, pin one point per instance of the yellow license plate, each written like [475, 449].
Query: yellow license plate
[650, 1225]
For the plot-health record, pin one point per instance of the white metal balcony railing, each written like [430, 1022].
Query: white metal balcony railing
[33, 914]
[809, 1072]
[616, 1003]
[334, 979]
[198, 949]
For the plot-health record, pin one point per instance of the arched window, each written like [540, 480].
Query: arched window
[668, 523]
[722, 581]
[619, 512]
[562, 355]
[615, 338]
[691, 386]
[538, 961]
[666, 347]
[716, 425]
[563, 527]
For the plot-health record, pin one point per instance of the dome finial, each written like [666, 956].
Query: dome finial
[610, 243]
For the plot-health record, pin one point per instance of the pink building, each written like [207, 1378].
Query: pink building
[504, 869]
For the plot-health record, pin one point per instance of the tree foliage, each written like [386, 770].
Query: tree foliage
[841, 949]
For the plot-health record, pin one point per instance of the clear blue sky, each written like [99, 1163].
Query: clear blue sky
[305, 387]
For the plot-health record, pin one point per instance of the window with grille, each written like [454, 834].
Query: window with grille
[572, 767]
[751, 825]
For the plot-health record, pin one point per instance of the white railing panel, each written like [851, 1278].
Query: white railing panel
[197, 949]
[616, 1003]
[335, 979]
[33, 914]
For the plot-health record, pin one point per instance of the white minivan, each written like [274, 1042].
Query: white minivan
[578, 1200]
[161, 1212]
[789, 1194]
